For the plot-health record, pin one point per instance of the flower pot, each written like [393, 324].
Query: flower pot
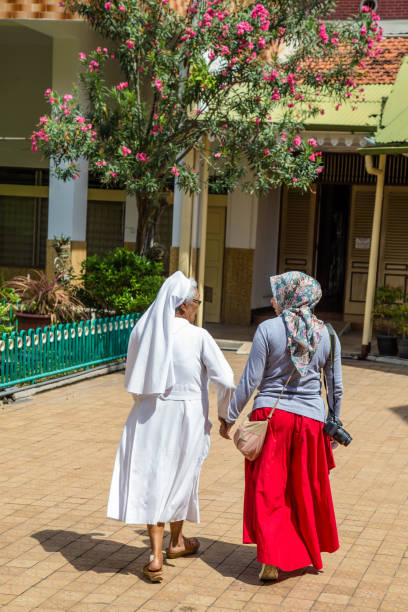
[28, 321]
[403, 348]
[387, 345]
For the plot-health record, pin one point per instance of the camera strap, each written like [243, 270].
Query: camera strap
[332, 408]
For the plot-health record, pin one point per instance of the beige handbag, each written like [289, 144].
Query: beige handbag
[249, 437]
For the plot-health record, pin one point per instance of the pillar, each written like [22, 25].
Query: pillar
[67, 203]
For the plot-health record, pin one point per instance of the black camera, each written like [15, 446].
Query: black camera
[333, 427]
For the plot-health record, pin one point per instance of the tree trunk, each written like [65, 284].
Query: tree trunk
[145, 209]
[149, 216]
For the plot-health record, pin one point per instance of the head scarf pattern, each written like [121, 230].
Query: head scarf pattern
[296, 294]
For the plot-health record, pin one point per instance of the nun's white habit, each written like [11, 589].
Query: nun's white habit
[167, 434]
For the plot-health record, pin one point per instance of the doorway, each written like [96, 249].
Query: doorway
[331, 262]
[214, 262]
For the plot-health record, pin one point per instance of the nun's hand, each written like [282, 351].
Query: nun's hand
[225, 428]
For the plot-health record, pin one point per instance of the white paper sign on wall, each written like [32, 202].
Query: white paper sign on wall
[362, 243]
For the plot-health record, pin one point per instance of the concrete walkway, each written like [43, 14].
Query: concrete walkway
[59, 552]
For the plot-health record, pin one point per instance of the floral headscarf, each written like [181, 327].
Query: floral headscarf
[296, 294]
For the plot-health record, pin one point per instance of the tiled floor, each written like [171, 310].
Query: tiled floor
[59, 552]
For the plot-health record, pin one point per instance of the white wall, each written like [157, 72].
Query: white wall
[241, 220]
[266, 251]
[26, 69]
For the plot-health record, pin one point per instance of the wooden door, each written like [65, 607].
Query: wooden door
[393, 268]
[358, 251]
[297, 231]
[214, 260]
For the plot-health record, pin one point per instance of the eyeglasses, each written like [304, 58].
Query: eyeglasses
[198, 302]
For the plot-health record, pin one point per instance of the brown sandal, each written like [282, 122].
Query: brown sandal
[153, 575]
[191, 546]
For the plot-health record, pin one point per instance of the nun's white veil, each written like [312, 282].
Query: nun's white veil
[149, 369]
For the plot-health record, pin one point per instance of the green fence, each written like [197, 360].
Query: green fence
[36, 354]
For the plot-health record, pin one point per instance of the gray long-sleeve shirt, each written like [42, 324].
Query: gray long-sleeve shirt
[268, 368]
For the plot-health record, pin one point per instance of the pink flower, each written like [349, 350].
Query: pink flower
[67, 97]
[294, 180]
[142, 157]
[125, 151]
[158, 84]
[266, 151]
[175, 171]
[261, 43]
[297, 141]
[43, 120]
[80, 119]
[312, 142]
[108, 6]
[122, 8]
[218, 154]
[122, 85]
[312, 157]
[318, 170]
[130, 44]
[155, 116]
[113, 174]
[47, 92]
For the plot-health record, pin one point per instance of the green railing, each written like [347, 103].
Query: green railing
[36, 354]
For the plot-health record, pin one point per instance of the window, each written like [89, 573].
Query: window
[23, 231]
[104, 226]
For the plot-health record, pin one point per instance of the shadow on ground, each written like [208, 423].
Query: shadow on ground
[401, 411]
[376, 365]
[91, 552]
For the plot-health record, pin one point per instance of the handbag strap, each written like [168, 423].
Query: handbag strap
[281, 393]
[332, 410]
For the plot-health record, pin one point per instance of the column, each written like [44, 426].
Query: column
[240, 243]
[67, 203]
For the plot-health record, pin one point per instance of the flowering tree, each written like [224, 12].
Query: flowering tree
[248, 75]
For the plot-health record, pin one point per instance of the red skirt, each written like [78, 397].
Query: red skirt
[288, 506]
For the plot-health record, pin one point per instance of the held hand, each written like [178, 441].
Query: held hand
[225, 429]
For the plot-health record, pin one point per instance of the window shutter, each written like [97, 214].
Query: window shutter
[361, 222]
[297, 231]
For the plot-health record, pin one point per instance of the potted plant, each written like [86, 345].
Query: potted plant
[385, 318]
[402, 328]
[43, 301]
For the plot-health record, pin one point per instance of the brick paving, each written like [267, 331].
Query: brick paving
[59, 552]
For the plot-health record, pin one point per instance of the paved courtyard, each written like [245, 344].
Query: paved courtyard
[59, 552]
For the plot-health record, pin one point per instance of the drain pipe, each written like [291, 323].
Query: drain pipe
[374, 247]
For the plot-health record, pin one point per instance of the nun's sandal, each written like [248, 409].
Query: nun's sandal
[191, 546]
[152, 575]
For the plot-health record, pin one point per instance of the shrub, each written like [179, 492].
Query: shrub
[121, 282]
[8, 301]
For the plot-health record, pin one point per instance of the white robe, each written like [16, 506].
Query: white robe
[166, 438]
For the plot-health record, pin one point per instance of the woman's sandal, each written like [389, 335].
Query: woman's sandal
[268, 572]
[191, 546]
[152, 575]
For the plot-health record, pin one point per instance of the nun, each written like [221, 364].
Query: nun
[166, 437]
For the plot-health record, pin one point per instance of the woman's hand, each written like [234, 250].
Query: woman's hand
[225, 428]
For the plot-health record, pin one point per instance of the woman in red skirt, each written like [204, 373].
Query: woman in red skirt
[288, 507]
